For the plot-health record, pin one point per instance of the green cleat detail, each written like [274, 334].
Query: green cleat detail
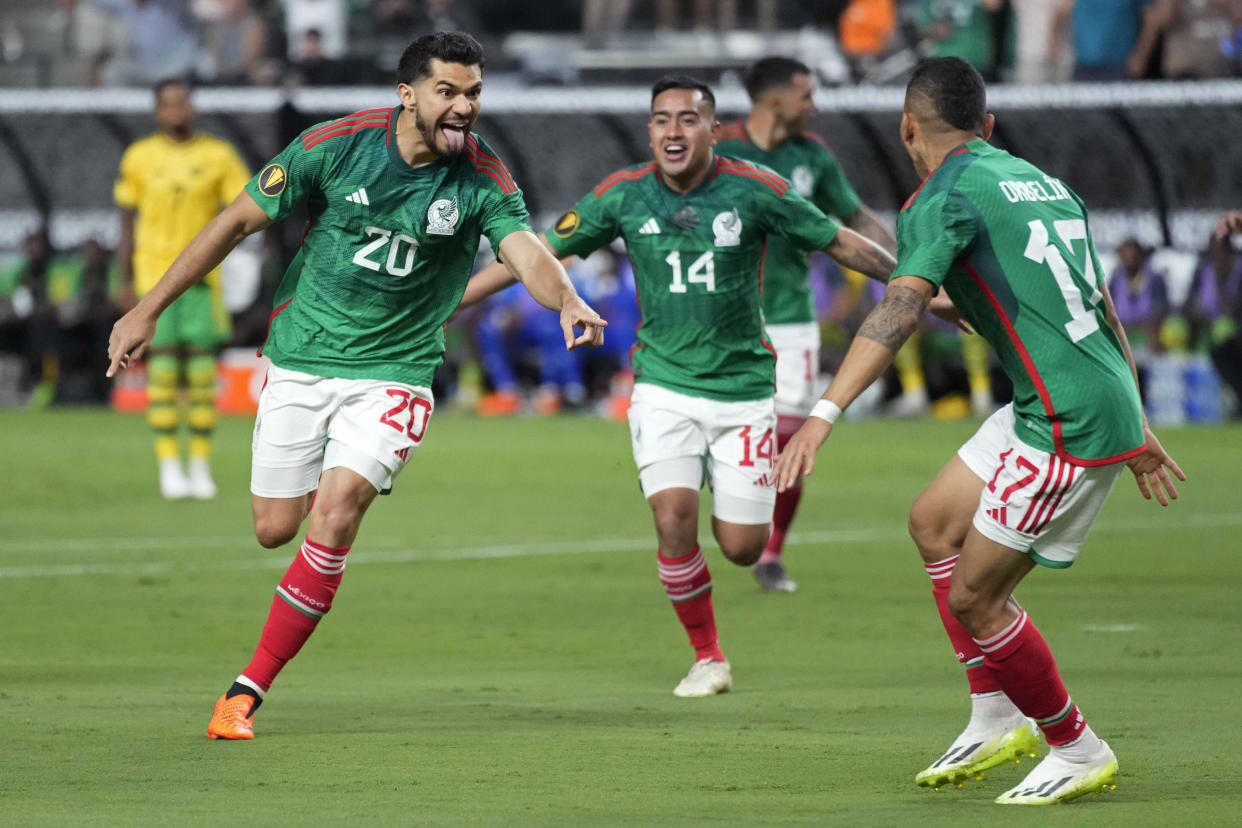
[974, 753]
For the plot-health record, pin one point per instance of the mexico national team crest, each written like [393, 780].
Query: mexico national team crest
[442, 217]
[803, 180]
[272, 180]
[566, 225]
[728, 229]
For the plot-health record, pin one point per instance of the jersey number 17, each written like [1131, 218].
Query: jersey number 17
[1083, 320]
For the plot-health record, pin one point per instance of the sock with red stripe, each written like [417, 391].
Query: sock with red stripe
[786, 501]
[689, 587]
[303, 596]
[968, 653]
[1023, 665]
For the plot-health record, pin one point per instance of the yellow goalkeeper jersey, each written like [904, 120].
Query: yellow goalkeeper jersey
[176, 188]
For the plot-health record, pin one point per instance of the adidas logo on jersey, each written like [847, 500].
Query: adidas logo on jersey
[358, 196]
[650, 227]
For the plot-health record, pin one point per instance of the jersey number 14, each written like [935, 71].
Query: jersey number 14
[1083, 320]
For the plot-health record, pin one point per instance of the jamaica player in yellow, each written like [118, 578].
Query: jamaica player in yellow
[172, 183]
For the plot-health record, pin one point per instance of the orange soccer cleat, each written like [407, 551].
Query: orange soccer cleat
[233, 718]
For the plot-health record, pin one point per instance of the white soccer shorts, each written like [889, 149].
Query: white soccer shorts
[308, 423]
[797, 368]
[1033, 501]
[675, 437]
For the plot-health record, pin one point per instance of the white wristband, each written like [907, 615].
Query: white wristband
[827, 411]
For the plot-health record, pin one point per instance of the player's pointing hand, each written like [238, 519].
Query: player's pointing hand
[131, 335]
[578, 314]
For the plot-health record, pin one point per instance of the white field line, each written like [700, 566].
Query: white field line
[393, 550]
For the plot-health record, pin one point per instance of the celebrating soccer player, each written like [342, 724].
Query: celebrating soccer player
[398, 201]
[695, 224]
[776, 135]
[1010, 245]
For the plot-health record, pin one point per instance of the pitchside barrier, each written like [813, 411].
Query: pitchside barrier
[1158, 161]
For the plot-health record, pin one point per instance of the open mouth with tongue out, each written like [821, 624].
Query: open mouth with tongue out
[454, 135]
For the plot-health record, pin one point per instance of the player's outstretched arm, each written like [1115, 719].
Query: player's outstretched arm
[882, 334]
[866, 222]
[132, 333]
[859, 253]
[1230, 224]
[490, 279]
[531, 260]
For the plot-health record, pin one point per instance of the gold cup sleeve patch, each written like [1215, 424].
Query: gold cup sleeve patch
[566, 225]
[272, 180]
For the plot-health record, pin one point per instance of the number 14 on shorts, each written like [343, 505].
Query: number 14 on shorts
[752, 449]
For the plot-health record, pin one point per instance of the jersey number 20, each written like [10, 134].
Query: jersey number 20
[1083, 320]
[396, 264]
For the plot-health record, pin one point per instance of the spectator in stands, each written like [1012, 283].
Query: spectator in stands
[961, 28]
[1105, 34]
[85, 318]
[329, 17]
[28, 327]
[236, 47]
[1042, 41]
[601, 19]
[317, 69]
[866, 31]
[161, 45]
[1142, 300]
[1214, 305]
[1188, 35]
[714, 14]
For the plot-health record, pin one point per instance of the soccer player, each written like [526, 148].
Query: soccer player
[398, 201]
[171, 183]
[695, 224]
[1011, 246]
[775, 134]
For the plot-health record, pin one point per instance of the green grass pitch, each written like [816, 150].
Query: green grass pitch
[501, 652]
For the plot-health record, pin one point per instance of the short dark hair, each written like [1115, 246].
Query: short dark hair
[449, 47]
[682, 82]
[772, 73]
[164, 83]
[955, 90]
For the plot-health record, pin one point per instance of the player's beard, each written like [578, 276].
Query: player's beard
[430, 133]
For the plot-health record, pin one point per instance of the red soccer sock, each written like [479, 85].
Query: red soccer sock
[787, 501]
[303, 596]
[968, 653]
[689, 587]
[1020, 660]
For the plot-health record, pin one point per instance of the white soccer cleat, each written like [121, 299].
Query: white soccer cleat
[200, 484]
[980, 749]
[706, 678]
[173, 482]
[1057, 779]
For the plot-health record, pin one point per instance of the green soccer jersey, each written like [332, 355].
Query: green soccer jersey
[388, 250]
[698, 265]
[807, 164]
[1011, 246]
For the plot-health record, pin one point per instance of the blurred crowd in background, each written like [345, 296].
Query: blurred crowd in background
[1182, 311]
[340, 42]
[1182, 307]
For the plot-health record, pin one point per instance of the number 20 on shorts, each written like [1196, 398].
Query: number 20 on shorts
[417, 414]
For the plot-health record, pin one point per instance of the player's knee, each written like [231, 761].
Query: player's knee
[969, 607]
[272, 533]
[745, 553]
[928, 532]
